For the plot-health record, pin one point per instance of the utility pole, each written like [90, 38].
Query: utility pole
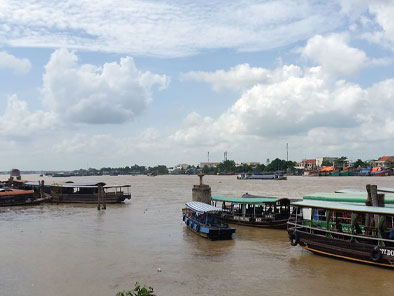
[208, 156]
[225, 155]
[287, 151]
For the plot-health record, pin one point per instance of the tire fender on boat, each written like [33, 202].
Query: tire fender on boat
[294, 239]
[376, 254]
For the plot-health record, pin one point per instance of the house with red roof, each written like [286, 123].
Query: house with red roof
[385, 161]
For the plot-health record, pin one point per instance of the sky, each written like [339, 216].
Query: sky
[117, 83]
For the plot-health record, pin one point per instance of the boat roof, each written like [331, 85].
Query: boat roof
[350, 197]
[248, 200]
[201, 207]
[344, 207]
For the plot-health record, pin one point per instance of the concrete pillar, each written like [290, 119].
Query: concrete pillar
[201, 192]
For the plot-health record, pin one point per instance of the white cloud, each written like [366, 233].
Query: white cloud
[163, 28]
[312, 111]
[241, 77]
[334, 54]
[19, 66]
[113, 93]
[18, 122]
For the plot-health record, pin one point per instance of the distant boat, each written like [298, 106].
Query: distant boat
[201, 218]
[262, 176]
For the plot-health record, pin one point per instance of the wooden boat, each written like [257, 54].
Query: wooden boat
[19, 197]
[340, 230]
[202, 219]
[88, 193]
[272, 212]
[262, 176]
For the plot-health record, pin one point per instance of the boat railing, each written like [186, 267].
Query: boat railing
[297, 227]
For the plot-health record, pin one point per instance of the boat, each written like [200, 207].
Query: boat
[342, 230]
[262, 176]
[379, 171]
[202, 219]
[19, 197]
[250, 210]
[88, 193]
[348, 196]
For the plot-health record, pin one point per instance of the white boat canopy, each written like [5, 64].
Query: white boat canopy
[341, 206]
[201, 207]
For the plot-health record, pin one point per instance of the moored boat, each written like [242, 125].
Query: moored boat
[71, 192]
[272, 212]
[18, 197]
[344, 231]
[202, 219]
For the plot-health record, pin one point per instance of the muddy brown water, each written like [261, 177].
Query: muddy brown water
[77, 250]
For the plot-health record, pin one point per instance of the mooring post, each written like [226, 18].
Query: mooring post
[375, 203]
[368, 202]
[104, 197]
[41, 188]
[98, 197]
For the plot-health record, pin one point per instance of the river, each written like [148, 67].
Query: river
[77, 250]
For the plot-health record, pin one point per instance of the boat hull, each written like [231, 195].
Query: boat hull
[89, 198]
[257, 222]
[210, 232]
[345, 249]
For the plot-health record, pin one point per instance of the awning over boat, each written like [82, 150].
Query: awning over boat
[351, 197]
[248, 200]
[201, 207]
[317, 204]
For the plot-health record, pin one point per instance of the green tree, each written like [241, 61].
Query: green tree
[227, 166]
[360, 164]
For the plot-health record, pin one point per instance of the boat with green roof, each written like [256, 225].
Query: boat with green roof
[343, 230]
[251, 210]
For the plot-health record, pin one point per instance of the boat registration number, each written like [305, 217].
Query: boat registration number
[258, 219]
[387, 252]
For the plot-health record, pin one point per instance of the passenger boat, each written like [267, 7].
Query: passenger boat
[341, 230]
[18, 197]
[88, 193]
[348, 196]
[272, 212]
[202, 219]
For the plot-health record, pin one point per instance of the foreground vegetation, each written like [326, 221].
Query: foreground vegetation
[138, 291]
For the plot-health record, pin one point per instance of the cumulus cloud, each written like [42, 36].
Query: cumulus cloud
[17, 121]
[323, 114]
[334, 54]
[113, 93]
[241, 77]
[19, 66]
[163, 28]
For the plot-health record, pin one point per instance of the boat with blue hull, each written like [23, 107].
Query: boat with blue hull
[202, 219]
